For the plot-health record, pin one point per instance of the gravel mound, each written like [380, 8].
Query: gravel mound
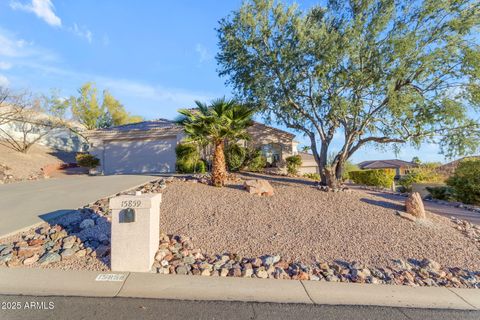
[302, 223]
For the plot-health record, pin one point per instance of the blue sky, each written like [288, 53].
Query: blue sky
[154, 56]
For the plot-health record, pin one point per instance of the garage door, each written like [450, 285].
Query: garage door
[139, 156]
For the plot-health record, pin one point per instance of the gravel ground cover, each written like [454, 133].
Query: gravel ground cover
[298, 233]
[300, 222]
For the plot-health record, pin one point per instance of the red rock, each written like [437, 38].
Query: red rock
[282, 264]
[35, 242]
[27, 252]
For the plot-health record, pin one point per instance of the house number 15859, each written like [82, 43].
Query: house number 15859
[131, 203]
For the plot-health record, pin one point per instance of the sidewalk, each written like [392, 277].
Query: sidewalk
[50, 282]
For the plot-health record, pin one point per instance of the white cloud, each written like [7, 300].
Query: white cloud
[43, 9]
[4, 81]
[82, 32]
[12, 48]
[202, 51]
[5, 65]
[173, 96]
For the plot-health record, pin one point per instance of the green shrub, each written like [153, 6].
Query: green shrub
[86, 160]
[254, 160]
[378, 178]
[441, 193]
[424, 174]
[188, 159]
[466, 181]
[349, 167]
[313, 176]
[293, 163]
[235, 156]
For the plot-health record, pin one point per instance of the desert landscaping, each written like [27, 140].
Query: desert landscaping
[299, 232]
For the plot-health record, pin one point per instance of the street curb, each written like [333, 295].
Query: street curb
[51, 282]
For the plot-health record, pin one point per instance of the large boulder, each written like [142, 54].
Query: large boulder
[258, 186]
[414, 205]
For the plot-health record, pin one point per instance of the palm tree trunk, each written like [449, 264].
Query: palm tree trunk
[219, 171]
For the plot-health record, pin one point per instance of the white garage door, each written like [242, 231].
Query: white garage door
[139, 156]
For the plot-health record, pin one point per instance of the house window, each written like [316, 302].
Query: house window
[272, 152]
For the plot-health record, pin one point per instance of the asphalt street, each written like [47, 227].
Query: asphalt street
[33, 308]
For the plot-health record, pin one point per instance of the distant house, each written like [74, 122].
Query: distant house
[58, 139]
[309, 165]
[449, 168]
[401, 167]
[149, 146]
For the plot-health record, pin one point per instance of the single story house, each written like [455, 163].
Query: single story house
[401, 167]
[149, 146]
[309, 165]
[448, 169]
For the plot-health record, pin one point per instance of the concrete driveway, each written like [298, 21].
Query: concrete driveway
[25, 204]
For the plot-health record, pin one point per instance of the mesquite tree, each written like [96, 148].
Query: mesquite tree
[370, 71]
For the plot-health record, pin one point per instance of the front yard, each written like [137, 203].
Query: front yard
[301, 223]
[298, 233]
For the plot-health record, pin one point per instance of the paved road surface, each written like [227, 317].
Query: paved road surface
[130, 308]
[26, 203]
[443, 210]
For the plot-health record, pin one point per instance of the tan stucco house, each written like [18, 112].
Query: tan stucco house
[401, 167]
[149, 146]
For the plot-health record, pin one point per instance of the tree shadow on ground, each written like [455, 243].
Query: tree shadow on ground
[64, 156]
[278, 179]
[384, 204]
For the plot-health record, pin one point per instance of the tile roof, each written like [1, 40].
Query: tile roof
[143, 126]
[381, 164]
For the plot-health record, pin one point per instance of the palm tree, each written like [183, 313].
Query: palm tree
[218, 122]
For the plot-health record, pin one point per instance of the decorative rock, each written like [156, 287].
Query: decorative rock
[414, 205]
[49, 257]
[36, 242]
[430, 265]
[261, 273]
[189, 260]
[223, 272]
[258, 186]
[81, 253]
[87, 223]
[162, 253]
[31, 260]
[164, 263]
[67, 253]
[164, 270]
[205, 272]
[68, 242]
[407, 216]
[58, 235]
[6, 257]
[27, 252]
[181, 270]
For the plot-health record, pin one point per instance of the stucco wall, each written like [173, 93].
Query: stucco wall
[264, 135]
[58, 139]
